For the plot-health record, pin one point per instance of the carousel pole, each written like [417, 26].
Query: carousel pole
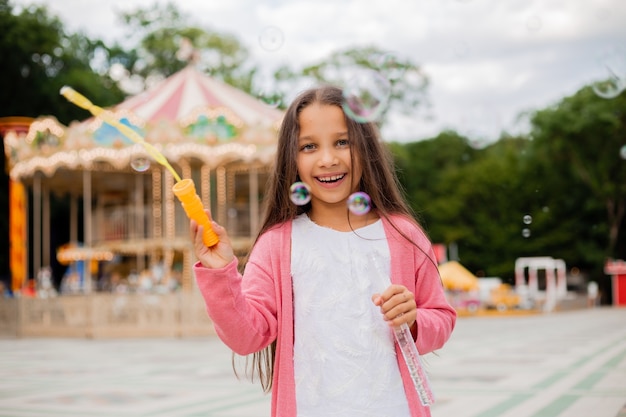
[45, 227]
[170, 224]
[73, 219]
[87, 228]
[137, 221]
[36, 225]
[221, 194]
[155, 218]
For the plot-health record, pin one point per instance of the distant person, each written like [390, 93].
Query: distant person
[323, 287]
[592, 294]
[5, 291]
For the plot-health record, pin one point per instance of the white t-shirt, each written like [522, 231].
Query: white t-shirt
[344, 357]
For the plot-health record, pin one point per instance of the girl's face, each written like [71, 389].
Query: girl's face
[323, 160]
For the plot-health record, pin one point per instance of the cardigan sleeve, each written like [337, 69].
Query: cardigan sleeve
[436, 318]
[415, 266]
[243, 308]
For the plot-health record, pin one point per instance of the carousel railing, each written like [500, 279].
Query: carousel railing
[101, 315]
[129, 223]
[120, 223]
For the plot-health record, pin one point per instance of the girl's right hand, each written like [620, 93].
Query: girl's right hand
[215, 257]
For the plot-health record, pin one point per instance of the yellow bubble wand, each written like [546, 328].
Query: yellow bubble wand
[184, 189]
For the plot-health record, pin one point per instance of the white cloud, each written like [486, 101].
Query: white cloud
[509, 55]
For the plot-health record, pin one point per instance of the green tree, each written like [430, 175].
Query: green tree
[422, 167]
[407, 82]
[480, 206]
[497, 203]
[162, 32]
[582, 138]
[38, 58]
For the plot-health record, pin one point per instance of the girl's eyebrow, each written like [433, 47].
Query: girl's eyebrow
[338, 134]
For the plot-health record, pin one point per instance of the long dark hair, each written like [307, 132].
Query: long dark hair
[378, 180]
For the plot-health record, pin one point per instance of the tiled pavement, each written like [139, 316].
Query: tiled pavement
[566, 364]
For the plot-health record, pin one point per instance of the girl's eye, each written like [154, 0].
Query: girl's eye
[307, 147]
[342, 143]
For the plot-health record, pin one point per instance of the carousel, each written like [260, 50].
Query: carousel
[124, 220]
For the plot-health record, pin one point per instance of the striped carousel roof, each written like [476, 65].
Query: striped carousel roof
[187, 114]
[188, 91]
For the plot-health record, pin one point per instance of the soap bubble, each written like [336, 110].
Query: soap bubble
[140, 164]
[390, 66]
[359, 203]
[528, 219]
[299, 193]
[526, 232]
[271, 38]
[533, 23]
[622, 152]
[366, 96]
[609, 88]
[613, 63]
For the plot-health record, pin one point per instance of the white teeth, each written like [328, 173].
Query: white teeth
[331, 178]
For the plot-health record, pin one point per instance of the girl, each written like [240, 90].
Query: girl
[323, 287]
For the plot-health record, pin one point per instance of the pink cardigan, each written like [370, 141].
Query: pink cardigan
[252, 311]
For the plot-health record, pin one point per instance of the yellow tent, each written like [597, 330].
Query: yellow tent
[456, 277]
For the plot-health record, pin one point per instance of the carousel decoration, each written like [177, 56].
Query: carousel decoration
[217, 136]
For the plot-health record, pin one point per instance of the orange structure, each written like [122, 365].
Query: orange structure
[17, 211]
[185, 190]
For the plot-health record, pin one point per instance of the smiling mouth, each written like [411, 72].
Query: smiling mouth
[331, 179]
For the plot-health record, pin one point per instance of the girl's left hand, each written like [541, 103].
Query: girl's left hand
[397, 304]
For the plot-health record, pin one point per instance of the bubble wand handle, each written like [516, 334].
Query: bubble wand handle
[186, 193]
[414, 363]
[411, 355]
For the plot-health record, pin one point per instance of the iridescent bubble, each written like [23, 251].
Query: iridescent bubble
[271, 38]
[359, 203]
[526, 233]
[389, 65]
[527, 219]
[622, 152]
[366, 96]
[299, 193]
[140, 164]
[533, 23]
[613, 63]
[609, 88]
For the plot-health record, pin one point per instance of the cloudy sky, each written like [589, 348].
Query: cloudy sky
[487, 60]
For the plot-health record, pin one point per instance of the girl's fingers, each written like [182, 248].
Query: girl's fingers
[220, 232]
[397, 304]
[377, 299]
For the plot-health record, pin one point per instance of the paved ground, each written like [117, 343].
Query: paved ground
[567, 364]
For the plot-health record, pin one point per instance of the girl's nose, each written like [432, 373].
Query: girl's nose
[328, 158]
